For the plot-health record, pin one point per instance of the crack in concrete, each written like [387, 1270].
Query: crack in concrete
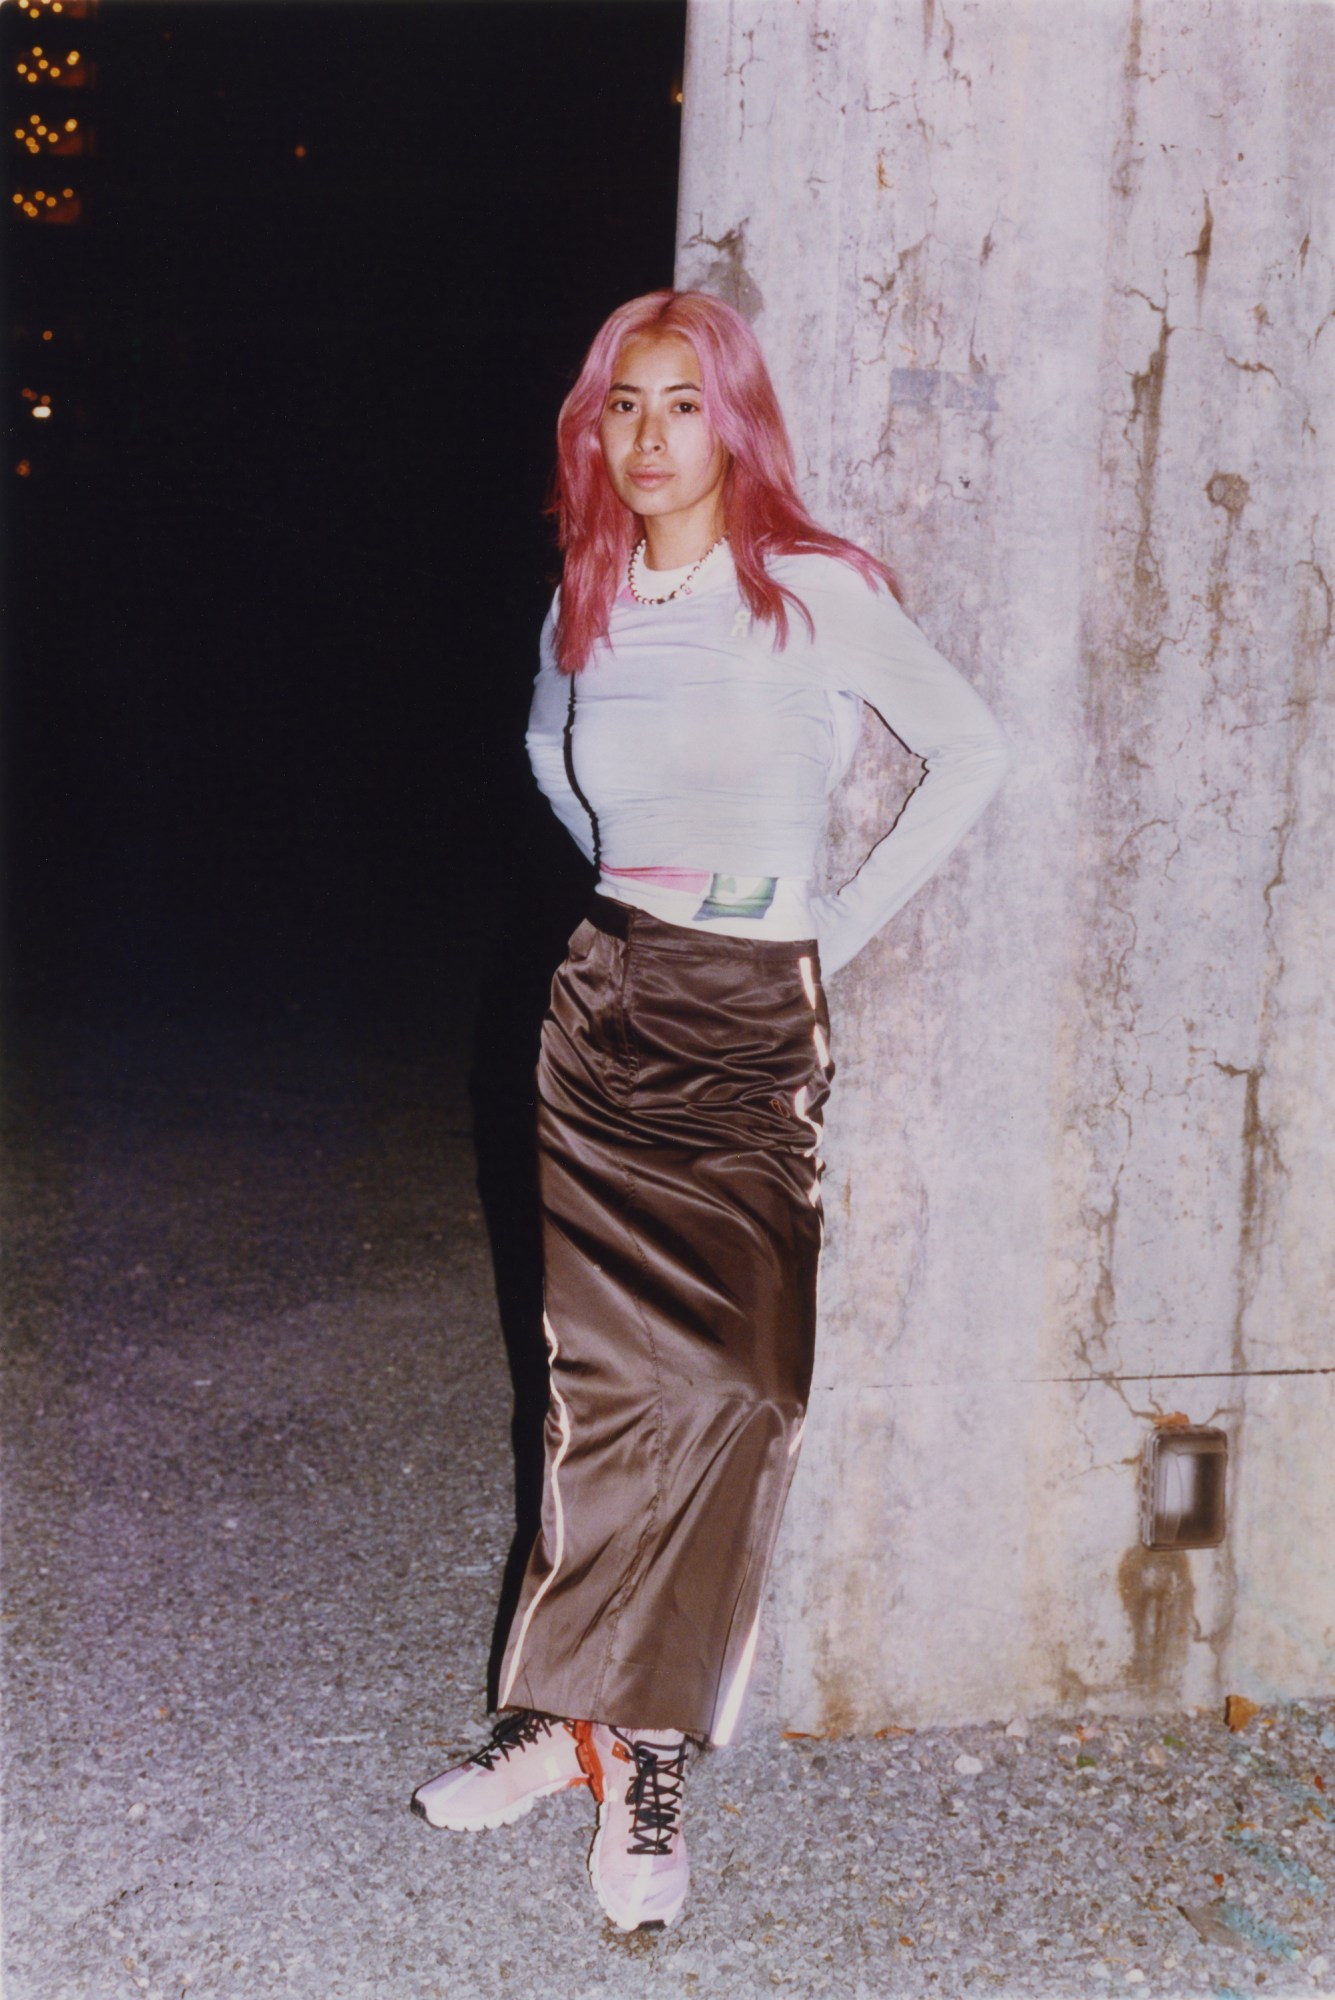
[1253, 368]
[1106, 1378]
[887, 292]
[727, 275]
[738, 70]
[1321, 639]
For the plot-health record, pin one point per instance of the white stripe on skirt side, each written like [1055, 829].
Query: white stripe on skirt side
[732, 1706]
[558, 1557]
[732, 1703]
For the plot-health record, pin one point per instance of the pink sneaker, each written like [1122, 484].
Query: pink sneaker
[529, 1757]
[638, 1866]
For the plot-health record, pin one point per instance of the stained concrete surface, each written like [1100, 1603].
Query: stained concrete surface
[1046, 289]
[257, 1504]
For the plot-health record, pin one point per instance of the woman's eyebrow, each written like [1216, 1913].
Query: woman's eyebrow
[671, 390]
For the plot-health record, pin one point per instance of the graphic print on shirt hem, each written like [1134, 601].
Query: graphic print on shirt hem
[737, 896]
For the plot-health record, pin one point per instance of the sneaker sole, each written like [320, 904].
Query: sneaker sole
[644, 1923]
[506, 1817]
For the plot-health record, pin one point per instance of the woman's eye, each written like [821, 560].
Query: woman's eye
[692, 409]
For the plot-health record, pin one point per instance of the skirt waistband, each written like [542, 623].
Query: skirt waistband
[632, 924]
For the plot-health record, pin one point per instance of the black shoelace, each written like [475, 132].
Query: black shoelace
[654, 1796]
[513, 1732]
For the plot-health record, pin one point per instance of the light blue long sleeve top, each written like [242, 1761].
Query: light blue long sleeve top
[694, 743]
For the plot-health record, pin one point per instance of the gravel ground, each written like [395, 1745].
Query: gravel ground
[257, 1504]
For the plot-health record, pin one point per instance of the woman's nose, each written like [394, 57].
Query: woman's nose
[649, 436]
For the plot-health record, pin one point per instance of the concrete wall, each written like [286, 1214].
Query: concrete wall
[1048, 293]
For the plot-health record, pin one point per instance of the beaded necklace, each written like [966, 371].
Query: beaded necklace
[683, 589]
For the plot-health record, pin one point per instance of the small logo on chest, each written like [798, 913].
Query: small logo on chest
[741, 624]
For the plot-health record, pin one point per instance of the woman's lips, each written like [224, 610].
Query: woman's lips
[647, 478]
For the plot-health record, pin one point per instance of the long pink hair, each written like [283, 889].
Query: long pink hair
[764, 516]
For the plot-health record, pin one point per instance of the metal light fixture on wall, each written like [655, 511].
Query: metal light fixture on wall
[1182, 1480]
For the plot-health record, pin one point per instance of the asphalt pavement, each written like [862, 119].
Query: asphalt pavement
[258, 1500]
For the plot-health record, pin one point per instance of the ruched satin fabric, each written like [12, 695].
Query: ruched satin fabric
[680, 1087]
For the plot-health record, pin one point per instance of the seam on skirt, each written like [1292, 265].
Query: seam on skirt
[629, 1060]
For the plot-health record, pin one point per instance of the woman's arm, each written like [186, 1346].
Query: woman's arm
[866, 645]
[546, 741]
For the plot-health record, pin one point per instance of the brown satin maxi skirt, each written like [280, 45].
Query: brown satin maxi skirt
[680, 1088]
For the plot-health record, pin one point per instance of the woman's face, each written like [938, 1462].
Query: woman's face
[661, 455]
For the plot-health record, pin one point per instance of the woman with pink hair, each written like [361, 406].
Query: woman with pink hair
[703, 674]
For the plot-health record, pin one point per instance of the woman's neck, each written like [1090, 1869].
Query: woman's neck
[673, 544]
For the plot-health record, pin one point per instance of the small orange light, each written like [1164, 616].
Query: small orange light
[37, 51]
[23, 468]
[71, 124]
[67, 194]
[47, 333]
[300, 152]
[73, 56]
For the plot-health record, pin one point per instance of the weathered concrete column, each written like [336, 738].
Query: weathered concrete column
[1048, 292]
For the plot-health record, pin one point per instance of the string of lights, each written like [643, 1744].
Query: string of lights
[37, 66]
[50, 144]
[40, 139]
[71, 10]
